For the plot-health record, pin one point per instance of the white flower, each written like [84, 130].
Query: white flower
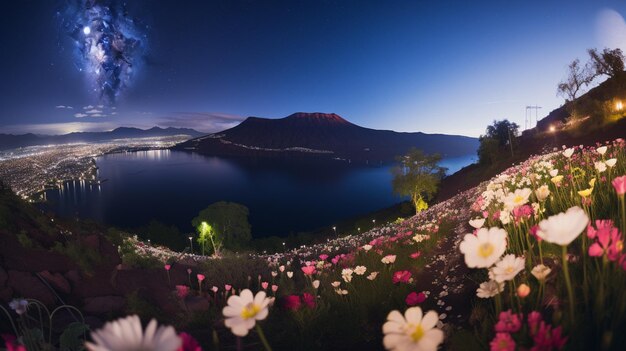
[341, 291]
[485, 248]
[316, 284]
[372, 276]
[477, 222]
[601, 150]
[489, 289]
[600, 166]
[127, 334]
[360, 270]
[517, 198]
[281, 268]
[335, 284]
[505, 217]
[367, 247]
[346, 275]
[541, 272]
[611, 162]
[554, 172]
[413, 331]
[389, 259]
[507, 268]
[289, 274]
[568, 152]
[244, 310]
[564, 227]
[542, 192]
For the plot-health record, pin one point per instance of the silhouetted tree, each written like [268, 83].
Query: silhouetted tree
[228, 222]
[417, 175]
[608, 62]
[499, 139]
[577, 76]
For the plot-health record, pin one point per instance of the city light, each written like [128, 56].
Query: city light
[618, 105]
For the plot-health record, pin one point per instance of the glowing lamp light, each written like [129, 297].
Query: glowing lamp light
[619, 106]
[86, 30]
[552, 129]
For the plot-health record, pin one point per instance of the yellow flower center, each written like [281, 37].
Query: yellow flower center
[518, 199]
[417, 333]
[509, 270]
[620, 245]
[249, 311]
[485, 250]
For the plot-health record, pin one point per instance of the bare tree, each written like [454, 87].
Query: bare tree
[608, 62]
[577, 77]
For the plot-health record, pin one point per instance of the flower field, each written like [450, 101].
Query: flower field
[531, 260]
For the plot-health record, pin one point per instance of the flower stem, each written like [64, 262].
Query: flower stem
[568, 282]
[263, 339]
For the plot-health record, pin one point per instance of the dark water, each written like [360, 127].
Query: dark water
[173, 186]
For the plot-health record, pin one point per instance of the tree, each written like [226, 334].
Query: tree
[417, 175]
[228, 223]
[499, 138]
[608, 62]
[577, 76]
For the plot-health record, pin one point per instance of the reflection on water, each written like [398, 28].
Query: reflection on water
[173, 186]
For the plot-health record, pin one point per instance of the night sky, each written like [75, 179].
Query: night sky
[432, 66]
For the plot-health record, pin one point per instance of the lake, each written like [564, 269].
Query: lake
[283, 196]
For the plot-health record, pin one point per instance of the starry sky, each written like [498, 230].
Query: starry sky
[433, 66]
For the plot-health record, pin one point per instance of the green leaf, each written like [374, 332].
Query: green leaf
[73, 337]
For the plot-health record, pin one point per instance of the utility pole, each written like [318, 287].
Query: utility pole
[528, 117]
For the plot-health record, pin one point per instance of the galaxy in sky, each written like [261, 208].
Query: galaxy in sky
[110, 44]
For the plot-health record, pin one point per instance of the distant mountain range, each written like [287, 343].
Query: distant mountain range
[325, 136]
[10, 141]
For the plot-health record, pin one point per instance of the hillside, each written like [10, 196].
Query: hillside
[11, 141]
[325, 136]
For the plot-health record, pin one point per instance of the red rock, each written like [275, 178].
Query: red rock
[27, 286]
[3, 277]
[57, 281]
[103, 304]
[16, 257]
[6, 294]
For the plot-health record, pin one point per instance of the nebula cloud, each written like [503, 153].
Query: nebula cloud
[109, 44]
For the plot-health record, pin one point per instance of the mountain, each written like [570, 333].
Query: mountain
[325, 136]
[10, 141]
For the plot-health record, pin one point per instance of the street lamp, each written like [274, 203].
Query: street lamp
[191, 244]
[374, 221]
[359, 229]
[335, 229]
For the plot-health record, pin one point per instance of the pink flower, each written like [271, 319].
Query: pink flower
[533, 231]
[228, 287]
[189, 343]
[534, 318]
[308, 270]
[323, 257]
[522, 212]
[546, 338]
[619, 184]
[182, 291]
[264, 285]
[401, 277]
[414, 298]
[608, 240]
[415, 255]
[508, 322]
[502, 342]
[215, 289]
[274, 288]
[292, 302]
[188, 270]
[11, 344]
[200, 277]
[168, 267]
[308, 300]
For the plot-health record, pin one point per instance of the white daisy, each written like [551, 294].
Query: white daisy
[485, 248]
[540, 272]
[489, 289]
[244, 310]
[564, 227]
[507, 268]
[413, 331]
[477, 222]
[127, 334]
